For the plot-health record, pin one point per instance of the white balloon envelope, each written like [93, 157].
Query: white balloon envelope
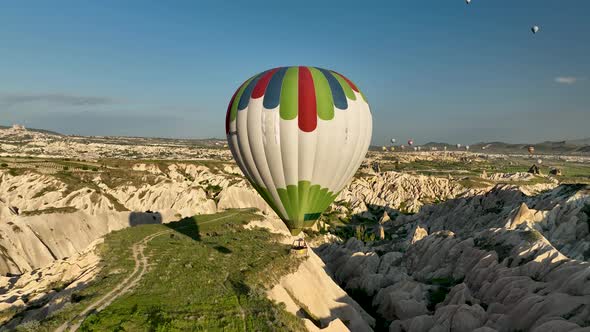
[298, 134]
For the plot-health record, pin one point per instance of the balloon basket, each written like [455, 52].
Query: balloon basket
[299, 248]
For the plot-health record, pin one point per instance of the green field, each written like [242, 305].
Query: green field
[470, 171]
[205, 273]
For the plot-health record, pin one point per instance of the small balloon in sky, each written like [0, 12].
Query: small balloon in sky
[535, 29]
[467, 1]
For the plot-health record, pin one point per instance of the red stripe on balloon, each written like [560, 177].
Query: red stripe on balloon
[260, 87]
[307, 114]
[228, 114]
[349, 82]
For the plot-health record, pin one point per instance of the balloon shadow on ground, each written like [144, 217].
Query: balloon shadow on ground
[222, 249]
[186, 226]
[144, 218]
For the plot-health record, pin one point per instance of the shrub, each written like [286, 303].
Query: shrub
[29, 326]
[4, 165]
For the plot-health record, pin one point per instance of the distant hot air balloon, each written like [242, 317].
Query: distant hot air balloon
[458, 146]
[410, 142]
[402, 147]
[539, 161]
[467, 1]
[467, 147]
[531, 149]
[445, 148]
[299, 135]
[393, 141]
[383, 148]
[392, 148]
[535, 29]
[415, 149]
[419, 148]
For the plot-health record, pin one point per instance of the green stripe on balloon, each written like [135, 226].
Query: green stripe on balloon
[268, 198]
[303, 191]
[322, 196]
[284, 196]
[290, 94]
[345, 86]
[314, 191]
[293, 192]
[304, 203]
[323, 95]
[290, 199]
[364, 98]
[234, 107]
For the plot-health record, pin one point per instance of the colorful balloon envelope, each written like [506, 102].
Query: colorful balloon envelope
[298, 134]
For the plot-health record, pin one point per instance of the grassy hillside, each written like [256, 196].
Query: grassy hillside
[205, 273]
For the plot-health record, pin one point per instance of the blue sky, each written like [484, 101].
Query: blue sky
[433, 70]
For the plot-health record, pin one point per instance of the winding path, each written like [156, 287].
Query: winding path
[141, 265]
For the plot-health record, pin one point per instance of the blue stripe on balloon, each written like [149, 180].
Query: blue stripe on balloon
[272, 95]
[337, 92]
[245, 99]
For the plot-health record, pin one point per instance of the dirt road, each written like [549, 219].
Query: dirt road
[141, 265]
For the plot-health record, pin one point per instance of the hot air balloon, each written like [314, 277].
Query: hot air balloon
[467, 1]
[458, 146]
[445, 148]
[402, 147]
[415, 149]
[299, 135]
[392, 148]
[539, 161]
[535, 29]
[531, 150]
[410, 142]
[383, 148]
[467, 147]
[393, 141]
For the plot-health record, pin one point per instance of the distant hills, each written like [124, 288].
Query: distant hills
[547, 147]
[43, 131]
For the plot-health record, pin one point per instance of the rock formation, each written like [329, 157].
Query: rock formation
[498, 261]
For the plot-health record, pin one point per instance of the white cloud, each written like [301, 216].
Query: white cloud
[566, 79]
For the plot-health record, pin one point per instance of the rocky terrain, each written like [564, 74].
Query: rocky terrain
[499, 260]
[432, 241]
[18, 141]
[44, 218]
